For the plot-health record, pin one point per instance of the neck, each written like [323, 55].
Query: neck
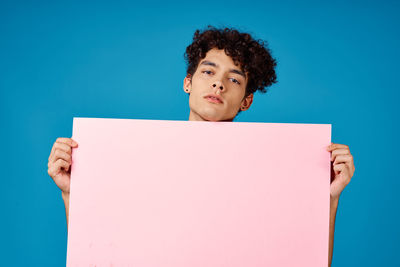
[196, 117]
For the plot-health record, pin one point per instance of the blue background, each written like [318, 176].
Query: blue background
[337, 63]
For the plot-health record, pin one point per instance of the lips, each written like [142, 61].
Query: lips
[214, 98]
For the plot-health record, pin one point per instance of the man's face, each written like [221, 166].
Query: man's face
[216, 75]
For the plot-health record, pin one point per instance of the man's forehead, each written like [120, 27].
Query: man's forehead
[219, 55]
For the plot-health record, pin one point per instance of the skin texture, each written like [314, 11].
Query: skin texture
[218, 80]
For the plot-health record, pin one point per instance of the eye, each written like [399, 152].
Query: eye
[207, 71]
[235, 81]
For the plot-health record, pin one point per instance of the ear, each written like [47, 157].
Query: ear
[246, 102]
[187, 83]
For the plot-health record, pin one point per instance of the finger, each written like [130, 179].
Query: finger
[68, 141]
[339, 167]
[59, 154]
[57, 166]
[335, 146]
[347, 159]
[51, 152]
[344, 172]
[63, 147]
[60, 146]
[340, 151]
[61, 140]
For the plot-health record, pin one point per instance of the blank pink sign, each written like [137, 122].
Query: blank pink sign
[151, 193]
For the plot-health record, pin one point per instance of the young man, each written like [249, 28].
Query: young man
[225, 68]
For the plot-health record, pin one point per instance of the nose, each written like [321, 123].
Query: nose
[218, 85]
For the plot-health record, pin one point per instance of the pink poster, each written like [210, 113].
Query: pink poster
[153, 193]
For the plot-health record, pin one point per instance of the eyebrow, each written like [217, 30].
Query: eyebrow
[206, 62]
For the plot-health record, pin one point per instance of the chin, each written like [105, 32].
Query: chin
[209, 117]
[215, 117]
[211, 114]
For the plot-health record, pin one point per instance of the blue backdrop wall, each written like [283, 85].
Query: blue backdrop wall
[337, 63]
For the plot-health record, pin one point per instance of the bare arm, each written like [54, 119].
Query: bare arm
[65, 197]
[342, 172]
[332, 218]
[60, 161]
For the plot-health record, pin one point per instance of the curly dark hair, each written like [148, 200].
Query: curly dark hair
[253, 56]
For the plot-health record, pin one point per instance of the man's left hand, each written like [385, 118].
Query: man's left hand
[342, 169]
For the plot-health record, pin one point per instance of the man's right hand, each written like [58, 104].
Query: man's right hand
[60, 163]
